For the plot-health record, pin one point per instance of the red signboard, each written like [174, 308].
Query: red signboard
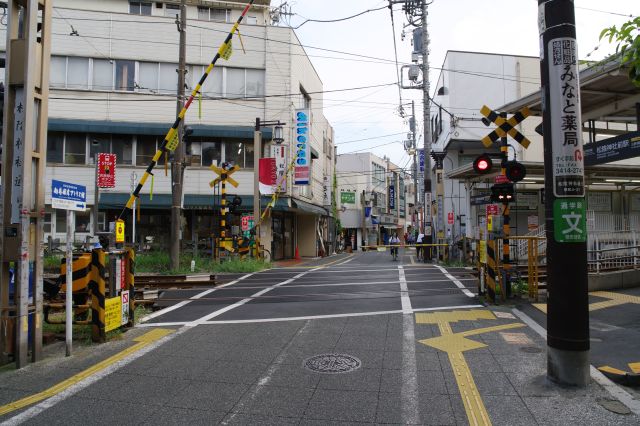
[450, 218]
[268, 175]
[106, 170]
[493, 209]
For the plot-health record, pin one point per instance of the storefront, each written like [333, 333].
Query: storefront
[282, 228]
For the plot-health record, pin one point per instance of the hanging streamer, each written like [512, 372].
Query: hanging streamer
[138, 202]
[241, 42]
[151, 189]
[200, 105]
[166, 164]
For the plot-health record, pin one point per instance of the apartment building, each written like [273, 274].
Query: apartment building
[113, 80]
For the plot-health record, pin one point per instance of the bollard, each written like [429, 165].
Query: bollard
[97, 290]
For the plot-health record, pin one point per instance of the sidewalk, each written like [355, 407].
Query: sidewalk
[478, 366]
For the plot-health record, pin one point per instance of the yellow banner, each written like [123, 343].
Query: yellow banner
[226, 51]
[112, 313]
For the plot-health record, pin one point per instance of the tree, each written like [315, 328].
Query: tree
[628, 46]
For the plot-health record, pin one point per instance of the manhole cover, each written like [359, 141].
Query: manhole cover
[531, 350]
[614, 406]
[332, 363]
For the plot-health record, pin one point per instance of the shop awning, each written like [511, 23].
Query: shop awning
[146, 128]
[308, 207]
[117, 200]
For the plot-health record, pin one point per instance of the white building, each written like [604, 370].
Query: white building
[113, 86]
[372, 198]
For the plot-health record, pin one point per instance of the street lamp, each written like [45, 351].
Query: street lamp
[278, 138]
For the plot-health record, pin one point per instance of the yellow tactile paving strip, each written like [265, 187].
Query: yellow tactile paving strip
[455, 344]
[614, 299]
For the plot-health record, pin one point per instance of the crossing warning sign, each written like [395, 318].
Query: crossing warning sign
[505, 127]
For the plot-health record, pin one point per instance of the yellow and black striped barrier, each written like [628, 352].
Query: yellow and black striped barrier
[130, 283]
[493, 277]
[97, 290]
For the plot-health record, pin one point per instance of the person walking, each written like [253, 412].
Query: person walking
[394, 241]
[419, 250]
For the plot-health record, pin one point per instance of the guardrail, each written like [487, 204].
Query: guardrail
[613, 258]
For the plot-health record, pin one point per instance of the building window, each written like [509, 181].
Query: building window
[55, 147]
[83, 221]
[235, 82]
[77, 73]
[252, 20]
[148, 77]
[168, 78]
[125, 75]
[75, 148]
[102, 74]
[140, 8]
[305, 101]
[61, 221]
[213, 84]
[255, 83]
[102, 221]
[171, 10]
[58, 71]
[214, 14]
[146, 148]
[211, 153]
[47, 223]
[378, 174]
[121, 146]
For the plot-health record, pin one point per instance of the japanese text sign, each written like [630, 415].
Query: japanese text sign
[68, 196]
[106, 170]
[302, 146]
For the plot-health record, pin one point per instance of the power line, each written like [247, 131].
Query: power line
[606, 12]
[339, 19]
[368, 139]
[395, 52]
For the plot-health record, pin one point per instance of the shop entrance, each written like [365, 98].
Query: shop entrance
[283, 237]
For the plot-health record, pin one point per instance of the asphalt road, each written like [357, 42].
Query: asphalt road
[357, 284]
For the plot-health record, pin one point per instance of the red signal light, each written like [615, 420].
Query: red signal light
[515, 171]
[483, 164]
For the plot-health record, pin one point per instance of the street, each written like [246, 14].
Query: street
[354, 338]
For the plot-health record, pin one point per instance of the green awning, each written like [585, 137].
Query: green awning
[309, 208]
[146, 128]
[117, 200]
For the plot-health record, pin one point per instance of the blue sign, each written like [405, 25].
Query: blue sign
[302, 170]
[68, 196]
[421, 157]
[392, 197]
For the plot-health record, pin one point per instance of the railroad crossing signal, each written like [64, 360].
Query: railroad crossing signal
[224, 175]
[483, 164]
[502, 193]
[505, 127]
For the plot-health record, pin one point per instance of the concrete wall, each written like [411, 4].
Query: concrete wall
[614, 280]
[306, 230]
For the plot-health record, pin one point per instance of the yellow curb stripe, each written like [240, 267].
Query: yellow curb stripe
[635, 367]
[611, 370]
[143, 341]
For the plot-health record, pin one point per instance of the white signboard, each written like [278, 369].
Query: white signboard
[326, 191]
[599, 201]
[68, 196]
[17, 168]
[302, 135]
[125, 306]
[279, 152]
[566, 122]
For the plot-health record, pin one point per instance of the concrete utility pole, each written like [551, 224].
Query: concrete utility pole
[412, 127]
[426, 114]
[178, 156]
[568, 310]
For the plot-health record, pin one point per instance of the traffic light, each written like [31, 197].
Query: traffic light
[483, 164]
[515, 171]
[235, 203]
[502, 193]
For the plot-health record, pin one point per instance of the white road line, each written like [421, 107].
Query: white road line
[404, 292]
[191, 299]
[442, 308]
[614, 390]
[345, 262]
[245, 300]
[455, 281]
[74, 389]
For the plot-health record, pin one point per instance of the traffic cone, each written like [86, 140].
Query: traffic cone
[297, 256]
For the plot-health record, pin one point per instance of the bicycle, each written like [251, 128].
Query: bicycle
[394, 253]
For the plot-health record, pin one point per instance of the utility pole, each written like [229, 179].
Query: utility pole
[178, 156]
[567, 305]
[427, 119]
[412, 127]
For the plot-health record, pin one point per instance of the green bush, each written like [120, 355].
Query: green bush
[159, 262]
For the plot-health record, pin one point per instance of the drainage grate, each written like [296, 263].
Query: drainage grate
[332, 363]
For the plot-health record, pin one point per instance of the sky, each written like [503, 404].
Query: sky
[495, 26]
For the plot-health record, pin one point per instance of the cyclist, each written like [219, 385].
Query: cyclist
[395, 243]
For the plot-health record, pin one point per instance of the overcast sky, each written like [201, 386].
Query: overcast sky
[496, 26]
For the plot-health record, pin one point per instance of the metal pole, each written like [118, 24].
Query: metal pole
[134, 177]
[415, 163]
[506, 228]
[568, 309]
[178, 156]
[257, 148]
[96, 198]
[68, 307]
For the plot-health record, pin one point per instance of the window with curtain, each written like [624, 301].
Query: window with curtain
[55, 147]
[57, 71]
[61, 221]
[248, 155]
[168, 78]
[211, 153]
[121, 145]
[102, 74]
[222, 15]
[75, 148]
[203, 13]
[83, 221]
[148, 76]
[125, 74]
[98, 142]
[77, 73]
[235, 82]
[255, 82]
[145, 149]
